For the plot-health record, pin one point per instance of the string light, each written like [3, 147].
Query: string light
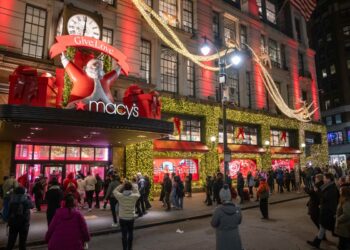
[302, 114]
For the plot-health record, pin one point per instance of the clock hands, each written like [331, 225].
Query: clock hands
[84, 26]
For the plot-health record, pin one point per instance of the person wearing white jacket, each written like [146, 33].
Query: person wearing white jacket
[90, 182]
[127, 195]
[81, 191]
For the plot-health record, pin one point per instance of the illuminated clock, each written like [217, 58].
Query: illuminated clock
[83, 25]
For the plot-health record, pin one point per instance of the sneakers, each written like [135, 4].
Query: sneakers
[115, 225]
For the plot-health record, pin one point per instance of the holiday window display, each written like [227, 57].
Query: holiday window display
[284, 164]
[244, 166]
[181, 167]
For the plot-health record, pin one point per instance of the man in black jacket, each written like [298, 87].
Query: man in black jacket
[167, 190]
[54, 196]
[240, 186]
[19, 218]
[328, 208]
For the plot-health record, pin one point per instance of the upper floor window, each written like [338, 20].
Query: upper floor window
[324, 73]
[283, 57]
[335, 138]
[34, 31]
[329, 120]
[262, 43]
[297, 29]
[216, 25]
[338, 119]
[239, 134]
[233, 86]
[146, 60]
[191, 78]
[279, 138]
[110, 2]
[107, 35]
[274, 53]
[148, 2]
[244, 36]
[332, 69]
[301, 63]
[190, 130]
[168, 11]
[270, 12]
[249, 89]
[229, 30]
[168, 70]
[346, 30]
[187, 15]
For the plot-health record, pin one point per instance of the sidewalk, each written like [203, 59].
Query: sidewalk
[99, 221]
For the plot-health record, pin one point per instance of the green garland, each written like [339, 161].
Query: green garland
[68, 84]
[139, 157]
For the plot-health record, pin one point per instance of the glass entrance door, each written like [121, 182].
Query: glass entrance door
[77, 169]
[26, 174]
[52, 171]
[98, 169]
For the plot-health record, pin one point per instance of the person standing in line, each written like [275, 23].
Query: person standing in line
[90, 182]
[19, 218]
[226, 220]
[180, 192]
[147, 192]
[342, 220]
[287, 178]
[263, 195]
[106, 184]
[250, 182]
[127, 196]
[314, 200]
[292, 180]
[68, 229]
[328, 208]
[209, 190]
[81, 191]
[98, 188]
[38, 192]
[167, 190]
[271, 181]
[240, 186]
[8, 188]
[142, 190]
[54, 196]
[112, 200]
[279, 178]
[188, 185]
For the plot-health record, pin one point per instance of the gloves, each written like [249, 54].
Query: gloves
[64, 60]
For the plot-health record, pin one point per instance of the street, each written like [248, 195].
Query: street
[288, 229]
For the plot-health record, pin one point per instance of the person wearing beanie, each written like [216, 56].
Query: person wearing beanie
[226, 219]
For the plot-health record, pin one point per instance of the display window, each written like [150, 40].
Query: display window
[101, 154]
[284, 164]
[58, 152]
[182, 168]
[87, 154]
[24, 152]
[240, 165]
[41, 152]
[73, 154]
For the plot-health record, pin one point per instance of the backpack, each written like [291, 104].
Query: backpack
[17, 217]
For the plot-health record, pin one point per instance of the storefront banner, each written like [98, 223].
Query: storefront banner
[236, 165]
[114, 109]
[182, 168]
[283, 164]
[88, 42]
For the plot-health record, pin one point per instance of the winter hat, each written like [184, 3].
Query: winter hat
[225, 194]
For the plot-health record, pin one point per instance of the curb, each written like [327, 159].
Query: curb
[111, 231]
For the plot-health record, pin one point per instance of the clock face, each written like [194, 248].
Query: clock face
[59, 27]
[83, 25]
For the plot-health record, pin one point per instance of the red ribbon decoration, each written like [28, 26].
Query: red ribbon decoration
[283, 136]
[240, 133]
[88, 42]
[177, 123]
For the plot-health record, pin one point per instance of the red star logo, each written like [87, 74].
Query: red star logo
[80, 105]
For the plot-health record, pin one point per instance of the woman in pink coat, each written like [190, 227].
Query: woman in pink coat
[68, 229]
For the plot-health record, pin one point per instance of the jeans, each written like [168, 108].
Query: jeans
[321, 232]
[181, 202]
[89, 197]
[127, 228]
[167, 200]
[5, 211]
[264, 208]
[114, 204]
[13, 232]
[38, 199]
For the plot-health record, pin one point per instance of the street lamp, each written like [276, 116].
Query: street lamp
[236, 59]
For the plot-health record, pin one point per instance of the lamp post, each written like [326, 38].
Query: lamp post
[236, 60]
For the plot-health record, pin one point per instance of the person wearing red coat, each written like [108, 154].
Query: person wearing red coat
[68, 229]
[70, 181]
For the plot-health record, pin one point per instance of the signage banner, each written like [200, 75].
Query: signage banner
[88, 42]
[182, 168]
[240, 165]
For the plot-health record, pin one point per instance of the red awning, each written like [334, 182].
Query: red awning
[242, 148]
[284, 150]
[166, 145]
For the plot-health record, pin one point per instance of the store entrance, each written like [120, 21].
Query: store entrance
[54, 171]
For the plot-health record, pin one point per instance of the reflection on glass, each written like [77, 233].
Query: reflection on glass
[24, 152]
[73, 153]
[57, 152]
[41, 152]
[87, 154]
[100, 170]
[101, 154]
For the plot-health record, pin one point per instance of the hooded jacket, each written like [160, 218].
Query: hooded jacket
[67, 230]
[27, 205]
[127, 200]
[225, 220]
[69, 179]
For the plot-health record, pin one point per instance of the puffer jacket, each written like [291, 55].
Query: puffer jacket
[127, 200]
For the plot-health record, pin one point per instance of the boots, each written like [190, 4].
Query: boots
[315, 243]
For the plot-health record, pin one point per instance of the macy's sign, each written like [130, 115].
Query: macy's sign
[114, 109]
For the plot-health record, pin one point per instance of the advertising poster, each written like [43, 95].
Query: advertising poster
[283, 164]
[244, 166]
[182, 167]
